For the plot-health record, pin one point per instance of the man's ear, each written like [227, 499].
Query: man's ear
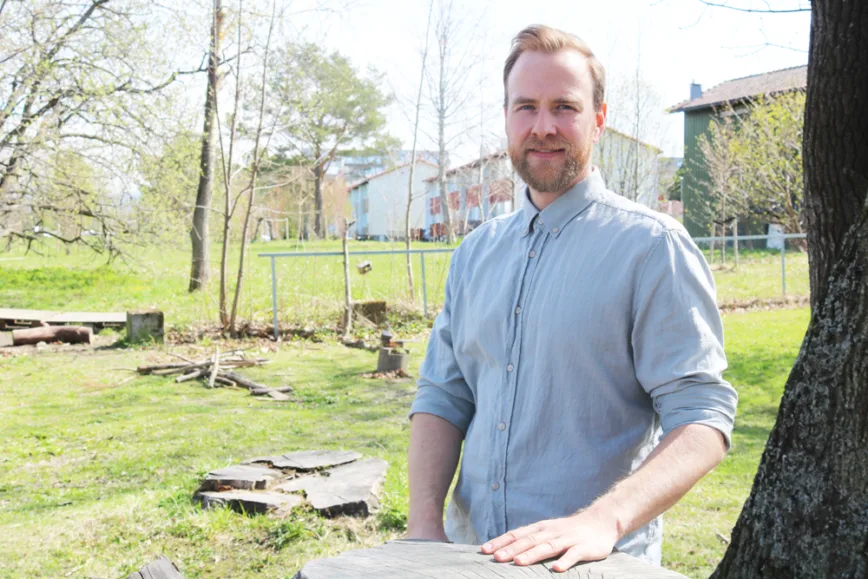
[600, 122]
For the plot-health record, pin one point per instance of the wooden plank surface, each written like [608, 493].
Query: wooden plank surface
[88, 318]
[14, 314]
[162, 568]
[420, 559]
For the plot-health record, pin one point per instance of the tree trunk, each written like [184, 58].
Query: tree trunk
[443, 156]
[806, 515]
[200, 271]
[317, 197]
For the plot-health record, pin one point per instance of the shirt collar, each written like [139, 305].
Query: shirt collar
[563, 209]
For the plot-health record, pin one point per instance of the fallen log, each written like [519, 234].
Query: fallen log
[261, 391]
[66, 334]
[242, 381]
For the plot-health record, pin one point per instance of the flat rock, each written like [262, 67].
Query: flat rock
[415, 559]
[308, 460]
[241, 476]
[248, 501]
[345, 490]
[162, 568]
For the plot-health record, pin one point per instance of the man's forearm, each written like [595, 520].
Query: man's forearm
[683, 457]
[435, 445]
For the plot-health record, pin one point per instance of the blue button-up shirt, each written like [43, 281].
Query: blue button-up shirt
[569, 340]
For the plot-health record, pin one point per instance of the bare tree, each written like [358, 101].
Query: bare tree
[200, 270]
[410, 192]
[448, 91]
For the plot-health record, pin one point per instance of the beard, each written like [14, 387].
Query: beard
[549, 176]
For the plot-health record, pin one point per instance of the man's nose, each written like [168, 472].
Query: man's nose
[544, 124]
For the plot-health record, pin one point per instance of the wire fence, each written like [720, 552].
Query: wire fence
[744, 268]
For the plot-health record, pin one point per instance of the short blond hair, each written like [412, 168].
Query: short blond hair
[548, 40]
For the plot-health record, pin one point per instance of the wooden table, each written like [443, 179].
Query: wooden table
[420, 559]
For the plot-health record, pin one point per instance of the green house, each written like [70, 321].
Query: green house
[701, 108]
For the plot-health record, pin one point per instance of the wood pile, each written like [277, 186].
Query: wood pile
[217, 371]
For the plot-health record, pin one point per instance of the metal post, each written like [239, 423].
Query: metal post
[274, 296]
[784, 267]
[424, 286]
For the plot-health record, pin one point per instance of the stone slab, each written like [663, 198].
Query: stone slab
[242, 477]
[308, 460]
[248, 501]
[345, 490]
[418, 559]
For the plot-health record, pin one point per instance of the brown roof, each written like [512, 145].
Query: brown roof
[470, 165]
[738, 89]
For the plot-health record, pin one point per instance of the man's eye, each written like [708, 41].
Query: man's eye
[567, 107]
[525, 108]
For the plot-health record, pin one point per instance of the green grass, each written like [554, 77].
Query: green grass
[98, 470]
[310, 290]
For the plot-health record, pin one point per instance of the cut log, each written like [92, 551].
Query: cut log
[242, 476]
[414, 559]
[345, 490]
[392, 360]
[162, 568]
[66, 334]
[248, 502]
[308, 460]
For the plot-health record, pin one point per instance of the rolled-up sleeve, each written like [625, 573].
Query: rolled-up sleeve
[677, 338]
[442, 389]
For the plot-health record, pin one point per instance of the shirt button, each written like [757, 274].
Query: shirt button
[501, 426]
[532, 253]
[495, 486]
[509, 368]
[518, 310]
[555, 230]
[540, 221]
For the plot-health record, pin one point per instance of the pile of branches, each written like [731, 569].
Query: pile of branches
[217, 371]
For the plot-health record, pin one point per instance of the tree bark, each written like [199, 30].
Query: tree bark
[807, 514]
[200, 272]
[66, 334]
[836, 116]
[443, 155]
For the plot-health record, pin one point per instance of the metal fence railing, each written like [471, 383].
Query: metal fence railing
[735, 239]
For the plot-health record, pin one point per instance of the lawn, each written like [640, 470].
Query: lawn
[310, 289]
[99, 467]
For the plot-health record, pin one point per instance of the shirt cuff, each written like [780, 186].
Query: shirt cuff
[714, 409]
[436, 401]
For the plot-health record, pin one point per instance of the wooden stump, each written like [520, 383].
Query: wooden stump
[414, 559]
[162, 568]
[393, 359]
[144, 326]
[66, 334]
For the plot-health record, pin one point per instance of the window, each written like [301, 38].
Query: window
[455, 200]
[435, 205]
[472, 196]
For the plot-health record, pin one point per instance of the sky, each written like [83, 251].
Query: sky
[670, 42]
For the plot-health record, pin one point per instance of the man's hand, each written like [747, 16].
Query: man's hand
[585, 536]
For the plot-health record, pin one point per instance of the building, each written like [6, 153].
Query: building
[702, 107]
[356, 168]
[379, 202]
[488, 187]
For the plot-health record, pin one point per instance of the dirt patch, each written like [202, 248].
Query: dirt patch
[767, 304]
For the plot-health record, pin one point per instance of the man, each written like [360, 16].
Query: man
[574, 333]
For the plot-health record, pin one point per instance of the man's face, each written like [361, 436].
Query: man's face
[551, 124]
